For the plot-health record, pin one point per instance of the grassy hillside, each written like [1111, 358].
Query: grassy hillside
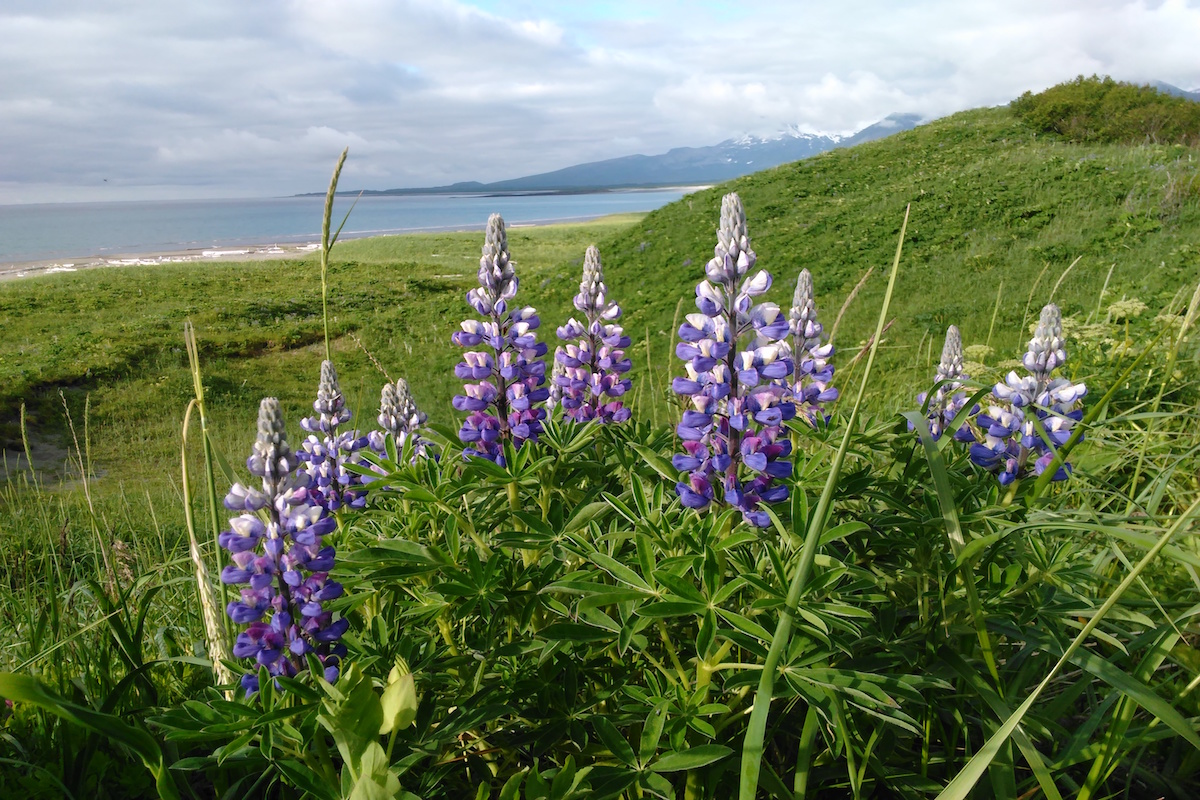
[992, 203]
[997, 210]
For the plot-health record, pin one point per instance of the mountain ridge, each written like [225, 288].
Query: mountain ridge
[679, 166]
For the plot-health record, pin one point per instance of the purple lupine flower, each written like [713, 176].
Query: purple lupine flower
[327, 449]
[948, 399]
[810, 387]
[503, 398]
[732, 433]
[400, 417]
[281, 563]
[594, 361]
[1006, 437]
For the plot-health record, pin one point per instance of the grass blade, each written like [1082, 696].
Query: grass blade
[752, 748]
[962, 784]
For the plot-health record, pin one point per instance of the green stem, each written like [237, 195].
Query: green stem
[327, 245]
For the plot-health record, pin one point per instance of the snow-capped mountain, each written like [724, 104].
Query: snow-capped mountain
[685, 166]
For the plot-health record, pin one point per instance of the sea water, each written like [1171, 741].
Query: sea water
[59, 231]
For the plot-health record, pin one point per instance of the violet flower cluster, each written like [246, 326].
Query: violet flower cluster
[328, 448]
[812, 357]
[732, 433]
[400, 417]
[948, 398]
[593, 362]
[280, 562]
[1007, 437]
[504, 396]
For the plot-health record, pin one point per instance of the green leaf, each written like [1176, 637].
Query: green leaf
[583, 515]
[677, 608]
[613, 740]
[375, 781]
[619, 571]
[512, 787]
[692, 758]
[656, 462]
[301, 777]
[26, 689]
[652, 732]
[353, 715]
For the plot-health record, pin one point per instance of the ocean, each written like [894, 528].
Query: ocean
[79, 231]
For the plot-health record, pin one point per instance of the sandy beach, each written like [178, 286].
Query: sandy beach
[211, 254]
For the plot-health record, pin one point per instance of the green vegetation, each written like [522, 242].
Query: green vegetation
[562, 627]
[1104, 111]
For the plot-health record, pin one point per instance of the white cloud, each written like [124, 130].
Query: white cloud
[198, 97]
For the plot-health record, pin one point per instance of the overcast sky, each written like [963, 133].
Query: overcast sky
[138, 99]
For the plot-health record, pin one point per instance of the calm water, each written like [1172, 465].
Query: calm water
[79, 230]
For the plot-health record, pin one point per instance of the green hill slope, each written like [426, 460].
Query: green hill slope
[992, 203]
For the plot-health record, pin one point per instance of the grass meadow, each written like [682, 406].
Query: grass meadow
[560, 625]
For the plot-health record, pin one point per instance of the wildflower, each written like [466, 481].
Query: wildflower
[813, 370]
[1007, 436]
[592, 365]
[327, 450]
[399, 416]
[279, 559]
[947, 399]
[504, 400]
[738, 401]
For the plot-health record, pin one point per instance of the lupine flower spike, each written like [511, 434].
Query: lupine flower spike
[280, 563]
[399, 416]
[327, 449]
[594, 360]
[948, 399]
[812, 357]
[1008, 438]
[557, 371]
[733, 447]
[504, 397]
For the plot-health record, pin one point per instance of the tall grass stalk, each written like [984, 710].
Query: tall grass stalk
[210, 483]
[327, 243]
[752, 748]
[849, 300]
[1062, 278]
[995, 313]
[214, 630]
[1029, 300]
[961, 786]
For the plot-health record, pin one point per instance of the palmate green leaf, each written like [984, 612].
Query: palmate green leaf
[692, 758]
[613, 740]
[26, 689]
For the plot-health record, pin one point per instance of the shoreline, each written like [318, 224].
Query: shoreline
[237, 253]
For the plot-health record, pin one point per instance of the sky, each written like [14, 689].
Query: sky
[157, 99]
